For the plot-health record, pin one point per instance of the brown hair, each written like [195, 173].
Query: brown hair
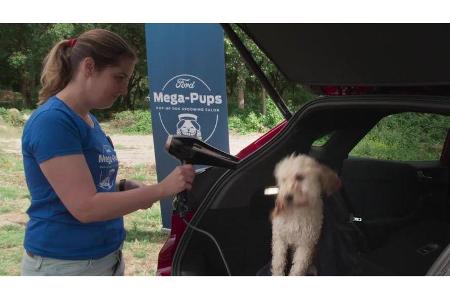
[105, 47]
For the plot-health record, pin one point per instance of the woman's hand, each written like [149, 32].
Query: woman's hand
[178, 180]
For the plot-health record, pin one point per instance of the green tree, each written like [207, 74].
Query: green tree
[242, 84]
[237, 73]
[24, 46]
[138, 84]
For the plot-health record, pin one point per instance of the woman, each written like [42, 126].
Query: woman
[76, 212]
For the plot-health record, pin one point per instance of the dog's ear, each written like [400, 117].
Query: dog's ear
[329, 180]
[279, 206]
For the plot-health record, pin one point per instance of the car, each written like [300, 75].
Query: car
[391, 215]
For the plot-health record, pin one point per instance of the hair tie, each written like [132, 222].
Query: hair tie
[71, 42]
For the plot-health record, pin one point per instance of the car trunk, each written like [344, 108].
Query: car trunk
[357, 54]
[371, 59]
[236, 211]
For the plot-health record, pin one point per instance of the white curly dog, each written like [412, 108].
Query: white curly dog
[297, 216]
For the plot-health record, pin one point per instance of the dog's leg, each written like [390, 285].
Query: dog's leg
[279, 252]
[301, 261]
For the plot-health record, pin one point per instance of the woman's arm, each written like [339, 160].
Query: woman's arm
[130, 184]
[72, 181]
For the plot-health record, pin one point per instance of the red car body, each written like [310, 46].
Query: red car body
[167, 252]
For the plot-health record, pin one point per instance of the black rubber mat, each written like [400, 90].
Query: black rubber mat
[410, 251]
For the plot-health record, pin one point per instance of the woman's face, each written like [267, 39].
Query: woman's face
[105, 86]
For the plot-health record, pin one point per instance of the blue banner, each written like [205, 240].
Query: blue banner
[186, 70]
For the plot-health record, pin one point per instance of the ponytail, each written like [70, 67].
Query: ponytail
[57, 71]
[104, 47]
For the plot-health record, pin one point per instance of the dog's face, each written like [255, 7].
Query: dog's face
[302, 181]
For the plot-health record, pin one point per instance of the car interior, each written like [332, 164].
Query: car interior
[391, 217]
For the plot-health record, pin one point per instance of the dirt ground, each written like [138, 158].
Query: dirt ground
[134, 150]
[131, 150]
[9, 141]
[137, 149]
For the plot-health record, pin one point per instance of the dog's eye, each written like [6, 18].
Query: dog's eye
[299, 177]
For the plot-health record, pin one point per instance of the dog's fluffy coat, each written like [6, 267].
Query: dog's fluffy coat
[297, 216]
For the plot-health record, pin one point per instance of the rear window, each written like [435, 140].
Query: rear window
[322, 140]
[406, 137]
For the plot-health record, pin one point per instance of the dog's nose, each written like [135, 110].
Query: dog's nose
[289, 198]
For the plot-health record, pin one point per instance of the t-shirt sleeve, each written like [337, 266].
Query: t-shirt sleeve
[54, 134]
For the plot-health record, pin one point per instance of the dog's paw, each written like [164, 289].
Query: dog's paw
[278, 271]
[312, 271]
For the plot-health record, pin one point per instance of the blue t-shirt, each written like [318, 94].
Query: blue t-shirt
[54, 129]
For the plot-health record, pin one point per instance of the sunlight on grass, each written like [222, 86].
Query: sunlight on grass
[11, 239]
[10, 162]
[144, 240]
[142, 172]
[9, 193]
[14, 196]
[144, 235]
[11, 236]
[406, 136]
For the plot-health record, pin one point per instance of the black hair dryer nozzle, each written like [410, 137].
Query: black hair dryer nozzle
[194, 151]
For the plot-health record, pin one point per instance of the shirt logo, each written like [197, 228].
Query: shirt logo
[107, 167]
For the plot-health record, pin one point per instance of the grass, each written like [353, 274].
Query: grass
[144, 235]
[249, 120]
[143, 242]
[393, 138]
[405, 137]
[245, 121]
[129, 122]
[11, 239]
[9, 193]
[140, 172]
[13, 203]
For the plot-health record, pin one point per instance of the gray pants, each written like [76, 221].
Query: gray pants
[109, 265]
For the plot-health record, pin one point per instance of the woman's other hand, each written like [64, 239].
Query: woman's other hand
[178, 180]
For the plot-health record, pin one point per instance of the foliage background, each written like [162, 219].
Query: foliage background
[24, 46]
